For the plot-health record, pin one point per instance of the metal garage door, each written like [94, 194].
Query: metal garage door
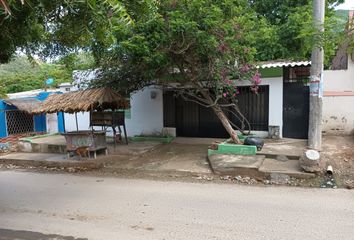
[193, 120]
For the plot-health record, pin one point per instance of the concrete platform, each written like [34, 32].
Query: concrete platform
[56, 144]
[166, 158]
[48, 160]
[45, 144]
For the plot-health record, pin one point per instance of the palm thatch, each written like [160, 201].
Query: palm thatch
[83, 101]
[24, 104]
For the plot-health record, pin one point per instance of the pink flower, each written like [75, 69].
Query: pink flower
[245, 68]
[256, 78]
[224, 94]
[222, 47]
[228, 82]
[254, 89]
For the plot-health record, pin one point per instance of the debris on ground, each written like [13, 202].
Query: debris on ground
[45, 168]
[239, 179]
[349, 184]
[5, 147]
[205, 177]
[329, 182]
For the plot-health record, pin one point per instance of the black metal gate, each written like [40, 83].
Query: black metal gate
[295, 110]
[296, 102]
[193, 120]
[19, 122]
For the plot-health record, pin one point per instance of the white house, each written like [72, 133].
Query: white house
[155, 110]
[338, 100]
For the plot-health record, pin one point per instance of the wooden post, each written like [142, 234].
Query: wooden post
[316, 80]
[77, 125]
[64, 122]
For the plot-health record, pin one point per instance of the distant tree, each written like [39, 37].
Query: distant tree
[292, 24]
[23, 75]
[57, 27]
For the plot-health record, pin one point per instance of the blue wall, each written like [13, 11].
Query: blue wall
[3, 130]
[40, 124]
[3, 107]
[61, 127]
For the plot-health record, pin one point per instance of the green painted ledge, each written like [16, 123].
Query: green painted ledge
[29, 139]
[151, 138]
[236, 149]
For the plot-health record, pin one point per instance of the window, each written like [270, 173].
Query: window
[296, 74]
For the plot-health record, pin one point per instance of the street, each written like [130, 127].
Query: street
[63, 206]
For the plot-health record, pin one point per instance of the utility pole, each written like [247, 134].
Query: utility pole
[316, 79]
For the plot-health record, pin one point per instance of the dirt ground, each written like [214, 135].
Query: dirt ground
[338, 151]
[159, 163]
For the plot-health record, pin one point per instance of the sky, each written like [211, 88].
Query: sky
[348, 5]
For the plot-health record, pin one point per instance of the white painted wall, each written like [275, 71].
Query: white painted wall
[338, 100]
[339, 80]
[275, 101]
[83, 119]
[338, 115]
[146, 115]
[52, 123]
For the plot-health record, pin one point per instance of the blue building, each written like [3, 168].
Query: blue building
[16, 117]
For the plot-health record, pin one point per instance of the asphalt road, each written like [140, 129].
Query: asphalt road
[61, 206]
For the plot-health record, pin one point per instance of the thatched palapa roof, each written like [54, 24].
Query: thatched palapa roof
[83, 101]
[24, 104]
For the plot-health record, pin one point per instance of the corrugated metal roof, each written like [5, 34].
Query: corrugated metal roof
[273, 64]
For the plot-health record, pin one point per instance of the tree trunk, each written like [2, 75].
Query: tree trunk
[221, 115]
[225, 122]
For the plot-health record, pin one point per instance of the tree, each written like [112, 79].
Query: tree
[292, 24]
[23, 75]
[55, 27]
[203, 45]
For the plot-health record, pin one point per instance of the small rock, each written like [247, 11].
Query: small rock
[238, 178]
[279, 178]
[225, 177]
[349, 184]
[266, 182]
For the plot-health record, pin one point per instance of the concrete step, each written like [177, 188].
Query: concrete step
[280, 157]
[244, 165]
[31, 147]
[290, 168]
[256, 166]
